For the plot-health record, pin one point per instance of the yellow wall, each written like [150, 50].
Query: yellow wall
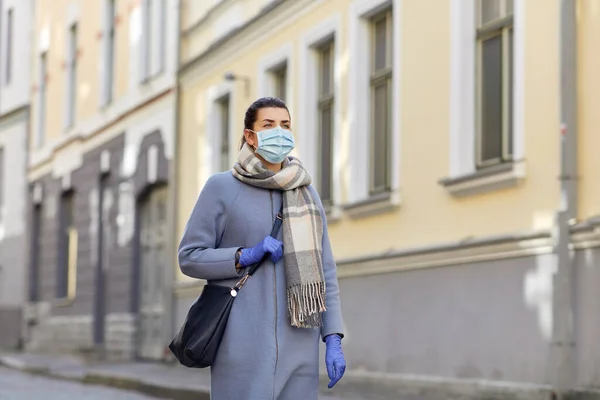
[589, 117]
[429, 215]
[54, 15]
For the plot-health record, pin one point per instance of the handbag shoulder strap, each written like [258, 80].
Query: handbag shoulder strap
[252, 269]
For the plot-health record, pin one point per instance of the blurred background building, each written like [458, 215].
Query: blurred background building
[15, 43]
[453, 142]
[101, 145]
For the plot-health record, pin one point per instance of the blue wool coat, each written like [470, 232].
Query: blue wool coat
[261, 356]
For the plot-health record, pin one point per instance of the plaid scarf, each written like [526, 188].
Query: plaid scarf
[302, 233]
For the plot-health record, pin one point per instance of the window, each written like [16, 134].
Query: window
[109, 58]
[224, 110]
[9, 45]
[66, 241]
[326, 120]
[279, 74]
[72, 76]
[381, 102]
[153, 38]
[494, 82]
[41, 117]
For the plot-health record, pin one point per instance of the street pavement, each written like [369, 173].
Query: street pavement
[16, 385]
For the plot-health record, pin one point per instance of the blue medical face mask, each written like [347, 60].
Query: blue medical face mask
[275, 144]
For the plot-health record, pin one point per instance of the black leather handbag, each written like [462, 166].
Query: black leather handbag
[197, 342]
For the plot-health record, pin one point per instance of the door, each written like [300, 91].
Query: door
[153, 261]
[101, 264]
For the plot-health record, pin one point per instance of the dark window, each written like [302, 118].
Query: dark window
[280, 81]
[326, 121]
[9, 45]
[381, 103]
[495, 81]
[224, 111]
[41, 120]
[72, 95]
[110, 50]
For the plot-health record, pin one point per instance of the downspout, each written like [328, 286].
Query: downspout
[563, 342]
[174, 185]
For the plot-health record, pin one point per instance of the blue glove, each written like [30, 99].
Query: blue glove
[254, 254]
[334, 359]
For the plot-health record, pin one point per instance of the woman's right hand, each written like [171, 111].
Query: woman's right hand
[254, 254]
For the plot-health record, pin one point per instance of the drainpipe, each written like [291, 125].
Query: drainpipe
[563, 342]
[174, 187]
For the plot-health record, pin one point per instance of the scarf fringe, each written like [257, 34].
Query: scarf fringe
[306, 303]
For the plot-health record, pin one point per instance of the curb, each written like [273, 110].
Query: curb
[147, 388]
[91, 378]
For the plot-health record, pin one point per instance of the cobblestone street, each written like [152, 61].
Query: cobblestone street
[16, 385]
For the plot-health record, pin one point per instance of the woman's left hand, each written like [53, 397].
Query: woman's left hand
[334, 359]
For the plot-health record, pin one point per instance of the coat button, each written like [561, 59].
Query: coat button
[233, 292]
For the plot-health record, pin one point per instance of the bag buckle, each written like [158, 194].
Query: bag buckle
[239, 285]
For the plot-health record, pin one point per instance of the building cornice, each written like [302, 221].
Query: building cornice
[278, 14]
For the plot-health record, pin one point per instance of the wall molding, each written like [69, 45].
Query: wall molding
[485, 249]
[98, 131]
[491, 248]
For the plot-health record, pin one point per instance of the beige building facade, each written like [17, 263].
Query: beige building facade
[101, 143]
[433, 133]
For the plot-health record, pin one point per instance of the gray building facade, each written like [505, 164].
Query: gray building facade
[100, 192]
[15, 37]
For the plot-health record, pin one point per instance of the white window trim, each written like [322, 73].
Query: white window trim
[359, 105]
[462, 91]
[7, 62]
[40, 139]
[330, 28]
[212, 147]
[266, 85]
[145, 64]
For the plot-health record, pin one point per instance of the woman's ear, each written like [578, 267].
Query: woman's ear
[250, 138]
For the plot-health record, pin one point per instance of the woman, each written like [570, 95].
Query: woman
[270, 348]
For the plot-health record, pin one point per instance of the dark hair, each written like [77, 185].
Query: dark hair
[252, 112]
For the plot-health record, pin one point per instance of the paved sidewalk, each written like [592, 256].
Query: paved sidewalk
[169, 381]
[172, 381]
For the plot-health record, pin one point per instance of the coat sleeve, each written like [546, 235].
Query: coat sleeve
[199, 255]
[332, 318]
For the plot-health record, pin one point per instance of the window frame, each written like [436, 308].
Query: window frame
[326, 100]
[279, 75]
[42, 99]
[211, 150]
[499, 27]
[152, 42]
[224, 131]
[376, 78]
[110, 47]
[359, 202]
[307, 116]
[71, 98]
[271, 62]
[9, 46]
[463, 177]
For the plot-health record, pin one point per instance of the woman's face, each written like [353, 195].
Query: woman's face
[268, 118]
